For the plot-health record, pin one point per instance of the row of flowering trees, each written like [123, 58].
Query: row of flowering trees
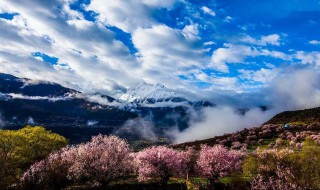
[108, 158]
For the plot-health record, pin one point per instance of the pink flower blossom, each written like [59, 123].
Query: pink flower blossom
[160, 162]
[217, 161]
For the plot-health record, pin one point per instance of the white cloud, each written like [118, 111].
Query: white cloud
[209, 43]
[273, 39]
[275, 54]
[219, 121]
[80, 24]
[62, 33]
[314, 42]
[218, 83]
[208, 11]
[128, 15]
[231, 53]
[296, 89]
[262, 75]
[228, 19]
[159, 3]
[312, 58]
[164, 51]
[191, 32]
[53, 99]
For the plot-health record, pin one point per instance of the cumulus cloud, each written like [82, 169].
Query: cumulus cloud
[228, 19]
[221, 83]
[312, 58]
[191, 32]
[208, 11]
[314, 42]
[262, 75]
[232, 53]
[65, 34]
[128, 15]
[273, 39]
[166, 51]
[97, 62]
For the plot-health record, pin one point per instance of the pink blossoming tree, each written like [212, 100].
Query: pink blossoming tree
[160, 163]
[274, 170]
[218, 161]
[100, 161]
[50, 173]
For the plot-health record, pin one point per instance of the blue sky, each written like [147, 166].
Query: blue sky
[202, 47]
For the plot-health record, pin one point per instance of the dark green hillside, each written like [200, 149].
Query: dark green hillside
[305, 116]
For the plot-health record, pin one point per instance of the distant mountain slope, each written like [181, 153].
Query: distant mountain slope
[26, 87]
[25, 101]
[306, 116]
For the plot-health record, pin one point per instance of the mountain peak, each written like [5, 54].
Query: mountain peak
[160, 85]
[141, 82]
[144, 91]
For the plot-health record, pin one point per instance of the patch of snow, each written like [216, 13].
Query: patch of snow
[144, 92]
[92, 122]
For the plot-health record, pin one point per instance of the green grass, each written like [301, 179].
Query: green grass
[234, 179]
[299, 123]
[264, 145]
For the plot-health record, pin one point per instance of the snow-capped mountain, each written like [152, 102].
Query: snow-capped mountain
[70, 112]
[146, 93]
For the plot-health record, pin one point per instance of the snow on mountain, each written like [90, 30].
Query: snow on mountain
[144, 92]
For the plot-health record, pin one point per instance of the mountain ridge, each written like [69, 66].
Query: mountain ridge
[61, 109]
[146, 93]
